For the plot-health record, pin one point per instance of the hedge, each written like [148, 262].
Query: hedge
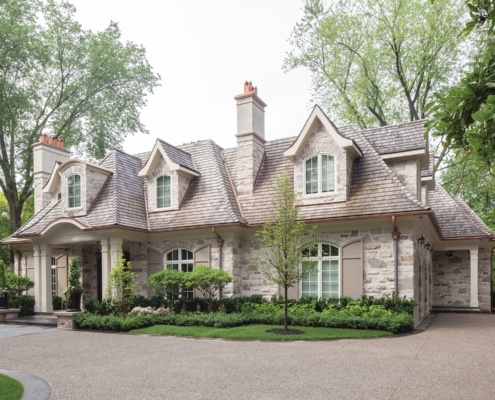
[395, 323]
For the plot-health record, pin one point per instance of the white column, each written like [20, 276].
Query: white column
[115, 250]
[110, 252]
[46, 278]
[474, 278]
[37, 278]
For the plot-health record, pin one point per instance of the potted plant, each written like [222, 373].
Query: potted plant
[4, 298]
[74, 287]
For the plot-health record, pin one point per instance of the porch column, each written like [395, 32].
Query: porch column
[474, 277]
[110, 251]
[37, 278]
[46, 278]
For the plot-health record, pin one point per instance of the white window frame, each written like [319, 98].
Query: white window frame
[54, 276]
[320, 258]
[320, 180]
[74, 197]
[170, 191]
[182, 265]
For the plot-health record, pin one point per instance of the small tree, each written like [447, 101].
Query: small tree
[121, 286]
[168, 283]
[208, 281]
[282, 241]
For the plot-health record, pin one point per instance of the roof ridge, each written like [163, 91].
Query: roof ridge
[390, 126]
[178, 148]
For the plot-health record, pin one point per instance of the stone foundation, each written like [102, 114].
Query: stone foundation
[65, 319]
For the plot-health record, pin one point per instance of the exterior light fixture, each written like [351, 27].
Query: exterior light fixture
[450, 255]
[421, 240]
[428, 246]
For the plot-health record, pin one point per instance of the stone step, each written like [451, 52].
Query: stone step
[34, 320]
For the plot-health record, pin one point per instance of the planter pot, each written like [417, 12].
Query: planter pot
[74, 303]
[4, 301]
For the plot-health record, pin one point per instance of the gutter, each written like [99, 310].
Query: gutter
[396, 237]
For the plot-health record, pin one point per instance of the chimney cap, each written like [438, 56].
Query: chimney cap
[250, 91]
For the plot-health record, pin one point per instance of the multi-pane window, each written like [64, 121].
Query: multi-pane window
[325, 281]
[319, 174]
[54, 276]
[183, 260]
[163, 198]
[74, 191]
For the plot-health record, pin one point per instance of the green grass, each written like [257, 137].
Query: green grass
[258, 332]
[10, 389]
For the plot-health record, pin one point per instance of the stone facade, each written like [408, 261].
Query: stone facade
[320, 142]
[452, 279]
[409, 174]
[178, 186]
[250, 153]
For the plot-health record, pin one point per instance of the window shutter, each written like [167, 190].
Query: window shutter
[352, 270]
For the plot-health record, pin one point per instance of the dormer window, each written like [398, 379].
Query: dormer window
[163, 192]
[74, 191]
[319, 173]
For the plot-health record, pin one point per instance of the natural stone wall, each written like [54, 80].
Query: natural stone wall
[409, 174]
[250, 152]
[452, 279]
[94, 183]
[320, 142]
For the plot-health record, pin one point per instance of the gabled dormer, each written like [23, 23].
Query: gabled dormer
[168, 172]
[322, 160]
[76, 183]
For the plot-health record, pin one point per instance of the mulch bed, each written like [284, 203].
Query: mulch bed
[285, 332]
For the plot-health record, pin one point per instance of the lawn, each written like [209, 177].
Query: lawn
[259, 332]
[10, 389]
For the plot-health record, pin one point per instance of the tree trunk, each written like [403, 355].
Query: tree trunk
[285, 309]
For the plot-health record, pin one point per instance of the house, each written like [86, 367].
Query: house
[383, 224]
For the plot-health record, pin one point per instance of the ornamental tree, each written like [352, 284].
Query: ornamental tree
[168, 283]
[282, 240]
[208, 281]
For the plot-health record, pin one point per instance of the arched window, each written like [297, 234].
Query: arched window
[74, 191]
[183, 260]
[163, 191]
[325, 282]
[319, 173]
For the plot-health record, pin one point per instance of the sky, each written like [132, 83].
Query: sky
[204, 51]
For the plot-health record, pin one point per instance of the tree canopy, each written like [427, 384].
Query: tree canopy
[56, 77]
[377, 62]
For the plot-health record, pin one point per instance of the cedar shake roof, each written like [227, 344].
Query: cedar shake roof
[454, 217]
[211, 200]
[177, 155]
[397, 138]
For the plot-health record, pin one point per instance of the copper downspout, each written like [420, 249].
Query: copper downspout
[220, 249]
[396, 237]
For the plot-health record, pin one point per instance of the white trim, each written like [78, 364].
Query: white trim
[422, 155]
[320, 259]
[320, 192]
[62, 221]
[56, 174]
[318, 115]
[156, 192]
[154, 157]
[474, 277]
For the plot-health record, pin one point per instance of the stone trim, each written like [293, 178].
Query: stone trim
[177, 244]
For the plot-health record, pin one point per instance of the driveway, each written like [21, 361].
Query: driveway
[453, 359]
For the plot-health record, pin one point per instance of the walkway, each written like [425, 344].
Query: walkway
[453, 359]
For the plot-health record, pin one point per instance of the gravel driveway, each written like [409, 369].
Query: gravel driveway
[453, 359]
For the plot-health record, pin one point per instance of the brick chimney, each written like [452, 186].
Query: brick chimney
[250, 138]
[47, 152]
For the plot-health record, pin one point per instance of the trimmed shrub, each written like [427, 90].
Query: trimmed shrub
[57, 302]
[26, 305]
